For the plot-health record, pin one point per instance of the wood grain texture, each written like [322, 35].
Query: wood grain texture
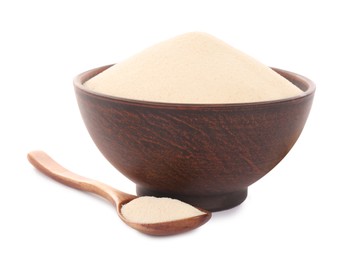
[206, 155]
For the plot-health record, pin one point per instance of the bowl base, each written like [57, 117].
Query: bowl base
[216, 202]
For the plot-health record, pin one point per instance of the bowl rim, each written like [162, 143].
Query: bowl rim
[306, 85]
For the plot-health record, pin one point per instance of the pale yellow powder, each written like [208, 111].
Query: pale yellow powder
[146, 210]
[193, 68]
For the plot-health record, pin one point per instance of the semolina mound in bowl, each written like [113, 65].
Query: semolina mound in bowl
[193, 118]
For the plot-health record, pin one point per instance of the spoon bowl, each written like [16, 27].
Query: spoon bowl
[45, 164]
[167, 227]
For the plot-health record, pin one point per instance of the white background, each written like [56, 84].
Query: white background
[306, 208]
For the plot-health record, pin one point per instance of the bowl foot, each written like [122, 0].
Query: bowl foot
[214, 202]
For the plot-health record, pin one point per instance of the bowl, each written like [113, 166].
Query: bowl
[204, 154]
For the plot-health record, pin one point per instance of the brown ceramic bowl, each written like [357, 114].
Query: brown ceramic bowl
[206, 155]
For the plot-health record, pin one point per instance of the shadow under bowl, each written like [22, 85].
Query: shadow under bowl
[204, 154]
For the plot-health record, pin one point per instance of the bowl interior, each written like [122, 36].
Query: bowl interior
[305, 84]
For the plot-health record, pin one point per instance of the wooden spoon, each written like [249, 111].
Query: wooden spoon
[49, 167]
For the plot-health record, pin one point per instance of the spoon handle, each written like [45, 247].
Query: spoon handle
[45, 164]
